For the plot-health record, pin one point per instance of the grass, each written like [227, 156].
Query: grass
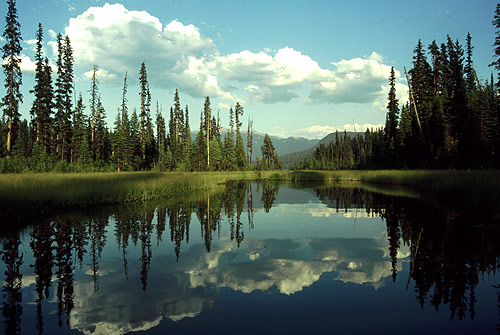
[46, 191]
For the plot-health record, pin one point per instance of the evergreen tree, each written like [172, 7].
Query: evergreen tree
[47, 104]
[160, 131]
[67, 80]
[59, 104]
[145, 97]
[79, 131]
[37, 110]
[228, 152]
[134, 140]
[124, 133]
[391, 123]
[496, 45]
[94, 100]
[102, 143]
[240, 148]
[207, 116]
[13, 76]
[249, 142]
[215, 155]
[268, 153]
[201, 147]
[186, 141]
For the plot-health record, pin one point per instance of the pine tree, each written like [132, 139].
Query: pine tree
[47, 105]
[94, 100]
[79, 130]
[145, 97]
[461, 121]
[240, 148]
[228, 152]
[207, 116]
[67, 79]
[201, 147]
[13, 76]
[268, 153]
[391, 123]
[496, 45]
[37, 112]
[124, 132]
[60, 114]
[136, 153]
[249, 142]
[215, 155]
[102, 143]
[470, 73]
[186, 141]
[117, 146]
[160, 130]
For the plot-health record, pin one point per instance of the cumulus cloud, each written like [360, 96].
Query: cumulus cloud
[27, 65]
[118, 39]
[179, 55]
[320, 131]
[102, 74]
[358, 80]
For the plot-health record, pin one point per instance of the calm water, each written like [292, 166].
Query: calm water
[257, 259]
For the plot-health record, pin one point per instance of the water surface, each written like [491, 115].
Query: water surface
[256, 258]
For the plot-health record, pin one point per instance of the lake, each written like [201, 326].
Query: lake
[257, 258]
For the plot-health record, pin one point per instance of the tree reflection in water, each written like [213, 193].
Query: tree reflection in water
[450, 248]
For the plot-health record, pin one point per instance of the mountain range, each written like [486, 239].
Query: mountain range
[290, 149]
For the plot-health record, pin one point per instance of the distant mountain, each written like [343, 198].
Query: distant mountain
[290, 159]
[282, 145]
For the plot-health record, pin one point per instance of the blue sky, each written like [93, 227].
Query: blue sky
[299, 68]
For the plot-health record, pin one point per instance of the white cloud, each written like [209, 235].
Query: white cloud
[117, 39]
[357, 80]
[102, 75]
[52, 34]
[178, 55]
[27, 65]
[320, 131]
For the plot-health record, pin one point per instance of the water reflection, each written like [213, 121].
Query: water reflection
[104, 278]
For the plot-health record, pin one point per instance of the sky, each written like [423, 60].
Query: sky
[298, 68]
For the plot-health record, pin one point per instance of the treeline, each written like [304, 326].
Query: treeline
[452, 119]
[61, 137]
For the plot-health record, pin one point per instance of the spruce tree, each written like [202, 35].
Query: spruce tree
[391, 122]
[79, 130]
[47, 104]
[268, 153]
[207, 116]
[37, 112]
[496, 45]
[124, 134]
[145, 98]
[240, 148]
[13, 76]
[186, 140]
[68, 77]
[94, 100]
[60, 113]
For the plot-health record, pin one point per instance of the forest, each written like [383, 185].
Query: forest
[61, 137]
[451, 120]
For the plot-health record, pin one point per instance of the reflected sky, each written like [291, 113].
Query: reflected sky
[300, 254]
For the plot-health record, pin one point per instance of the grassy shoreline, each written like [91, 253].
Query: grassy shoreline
[32, 191]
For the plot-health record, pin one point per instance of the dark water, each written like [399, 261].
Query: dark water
[259, 258]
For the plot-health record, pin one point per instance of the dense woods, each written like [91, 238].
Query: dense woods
[450, 121]
[65, 136]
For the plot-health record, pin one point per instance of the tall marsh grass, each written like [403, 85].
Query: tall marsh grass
[45, 191]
